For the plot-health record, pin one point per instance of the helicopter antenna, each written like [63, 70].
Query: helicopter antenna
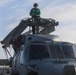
[7, 52]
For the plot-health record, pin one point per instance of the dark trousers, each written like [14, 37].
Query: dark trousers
[36, 18]
[33, 29]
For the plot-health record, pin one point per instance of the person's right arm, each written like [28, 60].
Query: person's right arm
[31, 12]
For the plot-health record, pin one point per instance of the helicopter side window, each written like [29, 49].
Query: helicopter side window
[68, 51]
[38, 52]
[56, 51]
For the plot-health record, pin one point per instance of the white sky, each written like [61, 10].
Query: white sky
[64, 11]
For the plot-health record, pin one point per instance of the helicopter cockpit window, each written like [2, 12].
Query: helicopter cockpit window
[68, 51]
[56, 52]
[38, 52]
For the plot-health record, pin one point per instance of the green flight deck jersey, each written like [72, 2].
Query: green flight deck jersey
[35, 12]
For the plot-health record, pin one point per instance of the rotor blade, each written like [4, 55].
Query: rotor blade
[47, 30]
[16, 31]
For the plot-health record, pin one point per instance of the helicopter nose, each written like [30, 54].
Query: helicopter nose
[69, 70]
[46, 68]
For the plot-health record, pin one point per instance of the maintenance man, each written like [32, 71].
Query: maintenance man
[35, 13]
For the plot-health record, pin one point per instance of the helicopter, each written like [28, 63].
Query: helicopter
[39, 53]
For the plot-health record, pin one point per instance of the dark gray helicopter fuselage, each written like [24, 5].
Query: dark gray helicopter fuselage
[44, 55]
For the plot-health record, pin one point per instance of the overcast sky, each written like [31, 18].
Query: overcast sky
[64, 11]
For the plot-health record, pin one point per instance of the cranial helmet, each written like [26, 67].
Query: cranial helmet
[35, 4]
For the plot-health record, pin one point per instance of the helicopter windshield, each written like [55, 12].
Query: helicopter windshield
[56, 51]
[68, 51]
[38, 51]
[62, 51]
